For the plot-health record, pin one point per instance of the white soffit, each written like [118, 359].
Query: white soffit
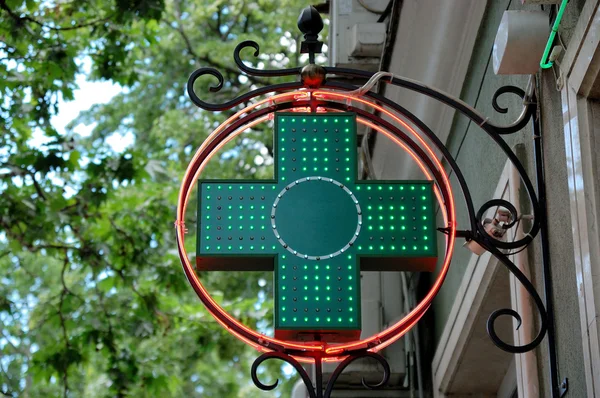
[434, 44]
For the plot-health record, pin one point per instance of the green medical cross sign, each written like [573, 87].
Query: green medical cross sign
[316, 226]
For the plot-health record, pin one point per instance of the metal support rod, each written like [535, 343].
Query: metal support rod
[546, 271]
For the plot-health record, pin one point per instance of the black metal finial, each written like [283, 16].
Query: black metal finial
[310, 23]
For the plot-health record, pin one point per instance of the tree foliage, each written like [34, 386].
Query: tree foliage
[93, 301]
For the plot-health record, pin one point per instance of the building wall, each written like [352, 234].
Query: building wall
[482, 161]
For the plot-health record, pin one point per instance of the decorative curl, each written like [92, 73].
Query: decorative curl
[514, 215]
[258, 72]
[366, 354]
[491, 322]
[236, 101]
[285, 358]
[522, 120]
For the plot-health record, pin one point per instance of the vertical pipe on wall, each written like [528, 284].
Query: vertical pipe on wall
[546, 272]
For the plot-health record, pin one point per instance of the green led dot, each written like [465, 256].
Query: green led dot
[230, 187]
[282, 308]
[283, 169]
[252, 248]
[380, 207]
[368, 188]
[351, 320]
[346, 120]
[347, 139]
[392, 228]
[229, 247]
[317, 298]
[370, 228]
[317, 319]
[370, 247]
[339, 319]
[207, 237]
[317, 288]
[423, 197]
[403, 227]
[423, 188]
[303, 120]
[350, 288]
[328, 287]
[424, 207]
[381, 247]
[208, 227]
[401, 207]
[305, 277]
[402, 218]
[403, 247]
[208, 197]
[273, 247]
[305, 287]
[350, 277]
[283, 288]
[325, 140]
[350, 309]
[305, 298]
[425, 238]
[252, 186]
[305, 319]
[207, 247]
[391, 217]
[283, 298]
[347, 159]
[303, 149]
[208, 187]
[402, 187]
[325, 168]
[412, 187]
[328, 298]
[350, 298]
[315, 159]
[208, 217]
[335, 120]
[414, 247]
[327, 267]
[282, 130]
[303, 139]
[283, 319]
[293, 120]
[424, 217]
[294, 319]
[358, 188]
[262, 248]
[207, 207]
[381, 227]
[327, 277]
[347, 149]
[393, 247]
[218, 247]
[304, 169]
[349, 267]
[306, 267]
[425, 247]
[328, 319]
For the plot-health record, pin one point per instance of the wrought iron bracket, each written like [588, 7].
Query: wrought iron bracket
[318, 389]
[313, 77]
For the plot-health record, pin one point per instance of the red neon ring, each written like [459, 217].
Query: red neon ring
[265, 343]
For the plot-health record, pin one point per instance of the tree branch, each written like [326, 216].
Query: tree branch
[19, 19]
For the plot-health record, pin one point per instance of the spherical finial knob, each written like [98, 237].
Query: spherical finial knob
[313, 76]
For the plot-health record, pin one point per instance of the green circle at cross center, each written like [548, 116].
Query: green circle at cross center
[316, 217]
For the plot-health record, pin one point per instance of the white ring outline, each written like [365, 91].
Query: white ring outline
[306, 256]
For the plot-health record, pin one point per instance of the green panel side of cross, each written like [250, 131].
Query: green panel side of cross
[316, 226]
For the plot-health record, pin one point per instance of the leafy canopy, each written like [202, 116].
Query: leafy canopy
[93, 301]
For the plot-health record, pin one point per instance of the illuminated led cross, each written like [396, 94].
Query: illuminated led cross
[316, 226]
